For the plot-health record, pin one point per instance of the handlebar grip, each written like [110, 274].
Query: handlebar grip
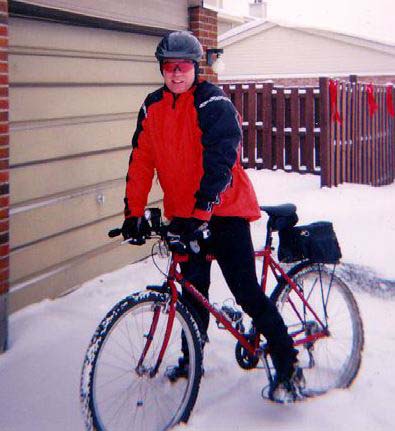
[114, 232]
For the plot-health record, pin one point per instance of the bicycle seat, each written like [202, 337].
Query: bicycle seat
[283, 210]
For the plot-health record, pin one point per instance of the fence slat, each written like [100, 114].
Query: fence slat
[359, 134]
[295, 124]
[343, 136]
[267, 153]
[392, 141]
[309, 121]
[365, 142]
[251, 126]
[374, 143]
[353, 133]
[348, 133]
[280, 125]
[325, 134]
[338, 126]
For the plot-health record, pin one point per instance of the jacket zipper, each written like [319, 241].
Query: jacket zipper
[174, 101]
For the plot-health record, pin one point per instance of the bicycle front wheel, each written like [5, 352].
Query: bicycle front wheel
[117, 392]
[334, 360]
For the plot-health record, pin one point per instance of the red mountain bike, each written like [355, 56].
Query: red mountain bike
[125, 384]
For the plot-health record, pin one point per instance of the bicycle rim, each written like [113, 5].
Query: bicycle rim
[120, 398]
[332, 361]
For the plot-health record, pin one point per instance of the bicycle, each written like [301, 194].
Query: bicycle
[124, 381]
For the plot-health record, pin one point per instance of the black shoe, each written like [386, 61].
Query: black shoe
[178, 371]
[287, 390]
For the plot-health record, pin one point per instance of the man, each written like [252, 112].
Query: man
[189, 132]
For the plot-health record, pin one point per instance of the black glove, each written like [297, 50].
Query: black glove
[184, 234]
[136, 229]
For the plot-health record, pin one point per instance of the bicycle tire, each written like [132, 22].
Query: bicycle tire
[114, 396]
[333, 361]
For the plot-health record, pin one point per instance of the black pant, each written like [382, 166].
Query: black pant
[231, 243]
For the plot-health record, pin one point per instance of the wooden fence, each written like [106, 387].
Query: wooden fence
[293, 129]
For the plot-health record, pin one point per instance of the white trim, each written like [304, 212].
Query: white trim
[243, 31]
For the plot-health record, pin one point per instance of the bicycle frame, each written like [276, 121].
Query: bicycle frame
[253, 348]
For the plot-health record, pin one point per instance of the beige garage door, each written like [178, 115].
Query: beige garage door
[74, 97]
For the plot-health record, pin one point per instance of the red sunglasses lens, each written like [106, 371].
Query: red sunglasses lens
[182, 66]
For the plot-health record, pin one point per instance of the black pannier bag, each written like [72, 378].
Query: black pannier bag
[316, 242]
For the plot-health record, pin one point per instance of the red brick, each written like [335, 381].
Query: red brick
[4, 104]
[4, 153]
[3, 91]
[3, 116]
[4, 164]
[4, 275]
[4, 213]
[4, 176]
[4, 128]
[3, 30]
[4, 262]
[3, 56]
[4, 139]
[3, 6]
[3, 41]
[4, 250]
[4, 227]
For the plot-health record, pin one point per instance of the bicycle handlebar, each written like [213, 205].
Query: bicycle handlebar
[175, 242]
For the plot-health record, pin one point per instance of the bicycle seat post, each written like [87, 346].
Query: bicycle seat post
[269, 233]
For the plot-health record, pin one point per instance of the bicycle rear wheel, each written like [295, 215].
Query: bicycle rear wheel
[332, 361]
[116, 394]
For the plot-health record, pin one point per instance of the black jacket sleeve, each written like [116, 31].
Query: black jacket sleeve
[221, 137]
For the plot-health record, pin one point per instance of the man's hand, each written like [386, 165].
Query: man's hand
[184, 234]
[136, 230]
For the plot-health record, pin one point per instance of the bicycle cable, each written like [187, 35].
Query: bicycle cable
[160, 246]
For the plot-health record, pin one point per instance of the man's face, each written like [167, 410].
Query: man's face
[179, 75]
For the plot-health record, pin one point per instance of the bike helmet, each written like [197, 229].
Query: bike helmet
[179, 44]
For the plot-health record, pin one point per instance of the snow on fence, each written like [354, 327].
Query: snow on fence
[295, 129]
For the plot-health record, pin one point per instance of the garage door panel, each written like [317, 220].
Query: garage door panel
[38, 181]
[29, 33]
[71, 212]
[29, 260]
[53, 69]
[43, 103]
[32, 143]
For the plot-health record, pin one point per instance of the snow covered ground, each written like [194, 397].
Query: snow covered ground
[39, 374]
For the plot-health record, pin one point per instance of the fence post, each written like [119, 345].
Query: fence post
[325, 153]
[392, 142]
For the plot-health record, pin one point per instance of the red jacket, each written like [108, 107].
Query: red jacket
[193, 142]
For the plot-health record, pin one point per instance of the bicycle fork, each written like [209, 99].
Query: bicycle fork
[170, 309]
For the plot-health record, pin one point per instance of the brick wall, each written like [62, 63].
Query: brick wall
[204, 25]
[4, 173]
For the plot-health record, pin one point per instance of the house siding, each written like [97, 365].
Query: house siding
[283, 51]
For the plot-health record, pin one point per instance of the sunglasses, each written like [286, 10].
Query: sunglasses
[183, 66]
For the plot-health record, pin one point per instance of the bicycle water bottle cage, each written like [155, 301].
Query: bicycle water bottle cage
[281, 216]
